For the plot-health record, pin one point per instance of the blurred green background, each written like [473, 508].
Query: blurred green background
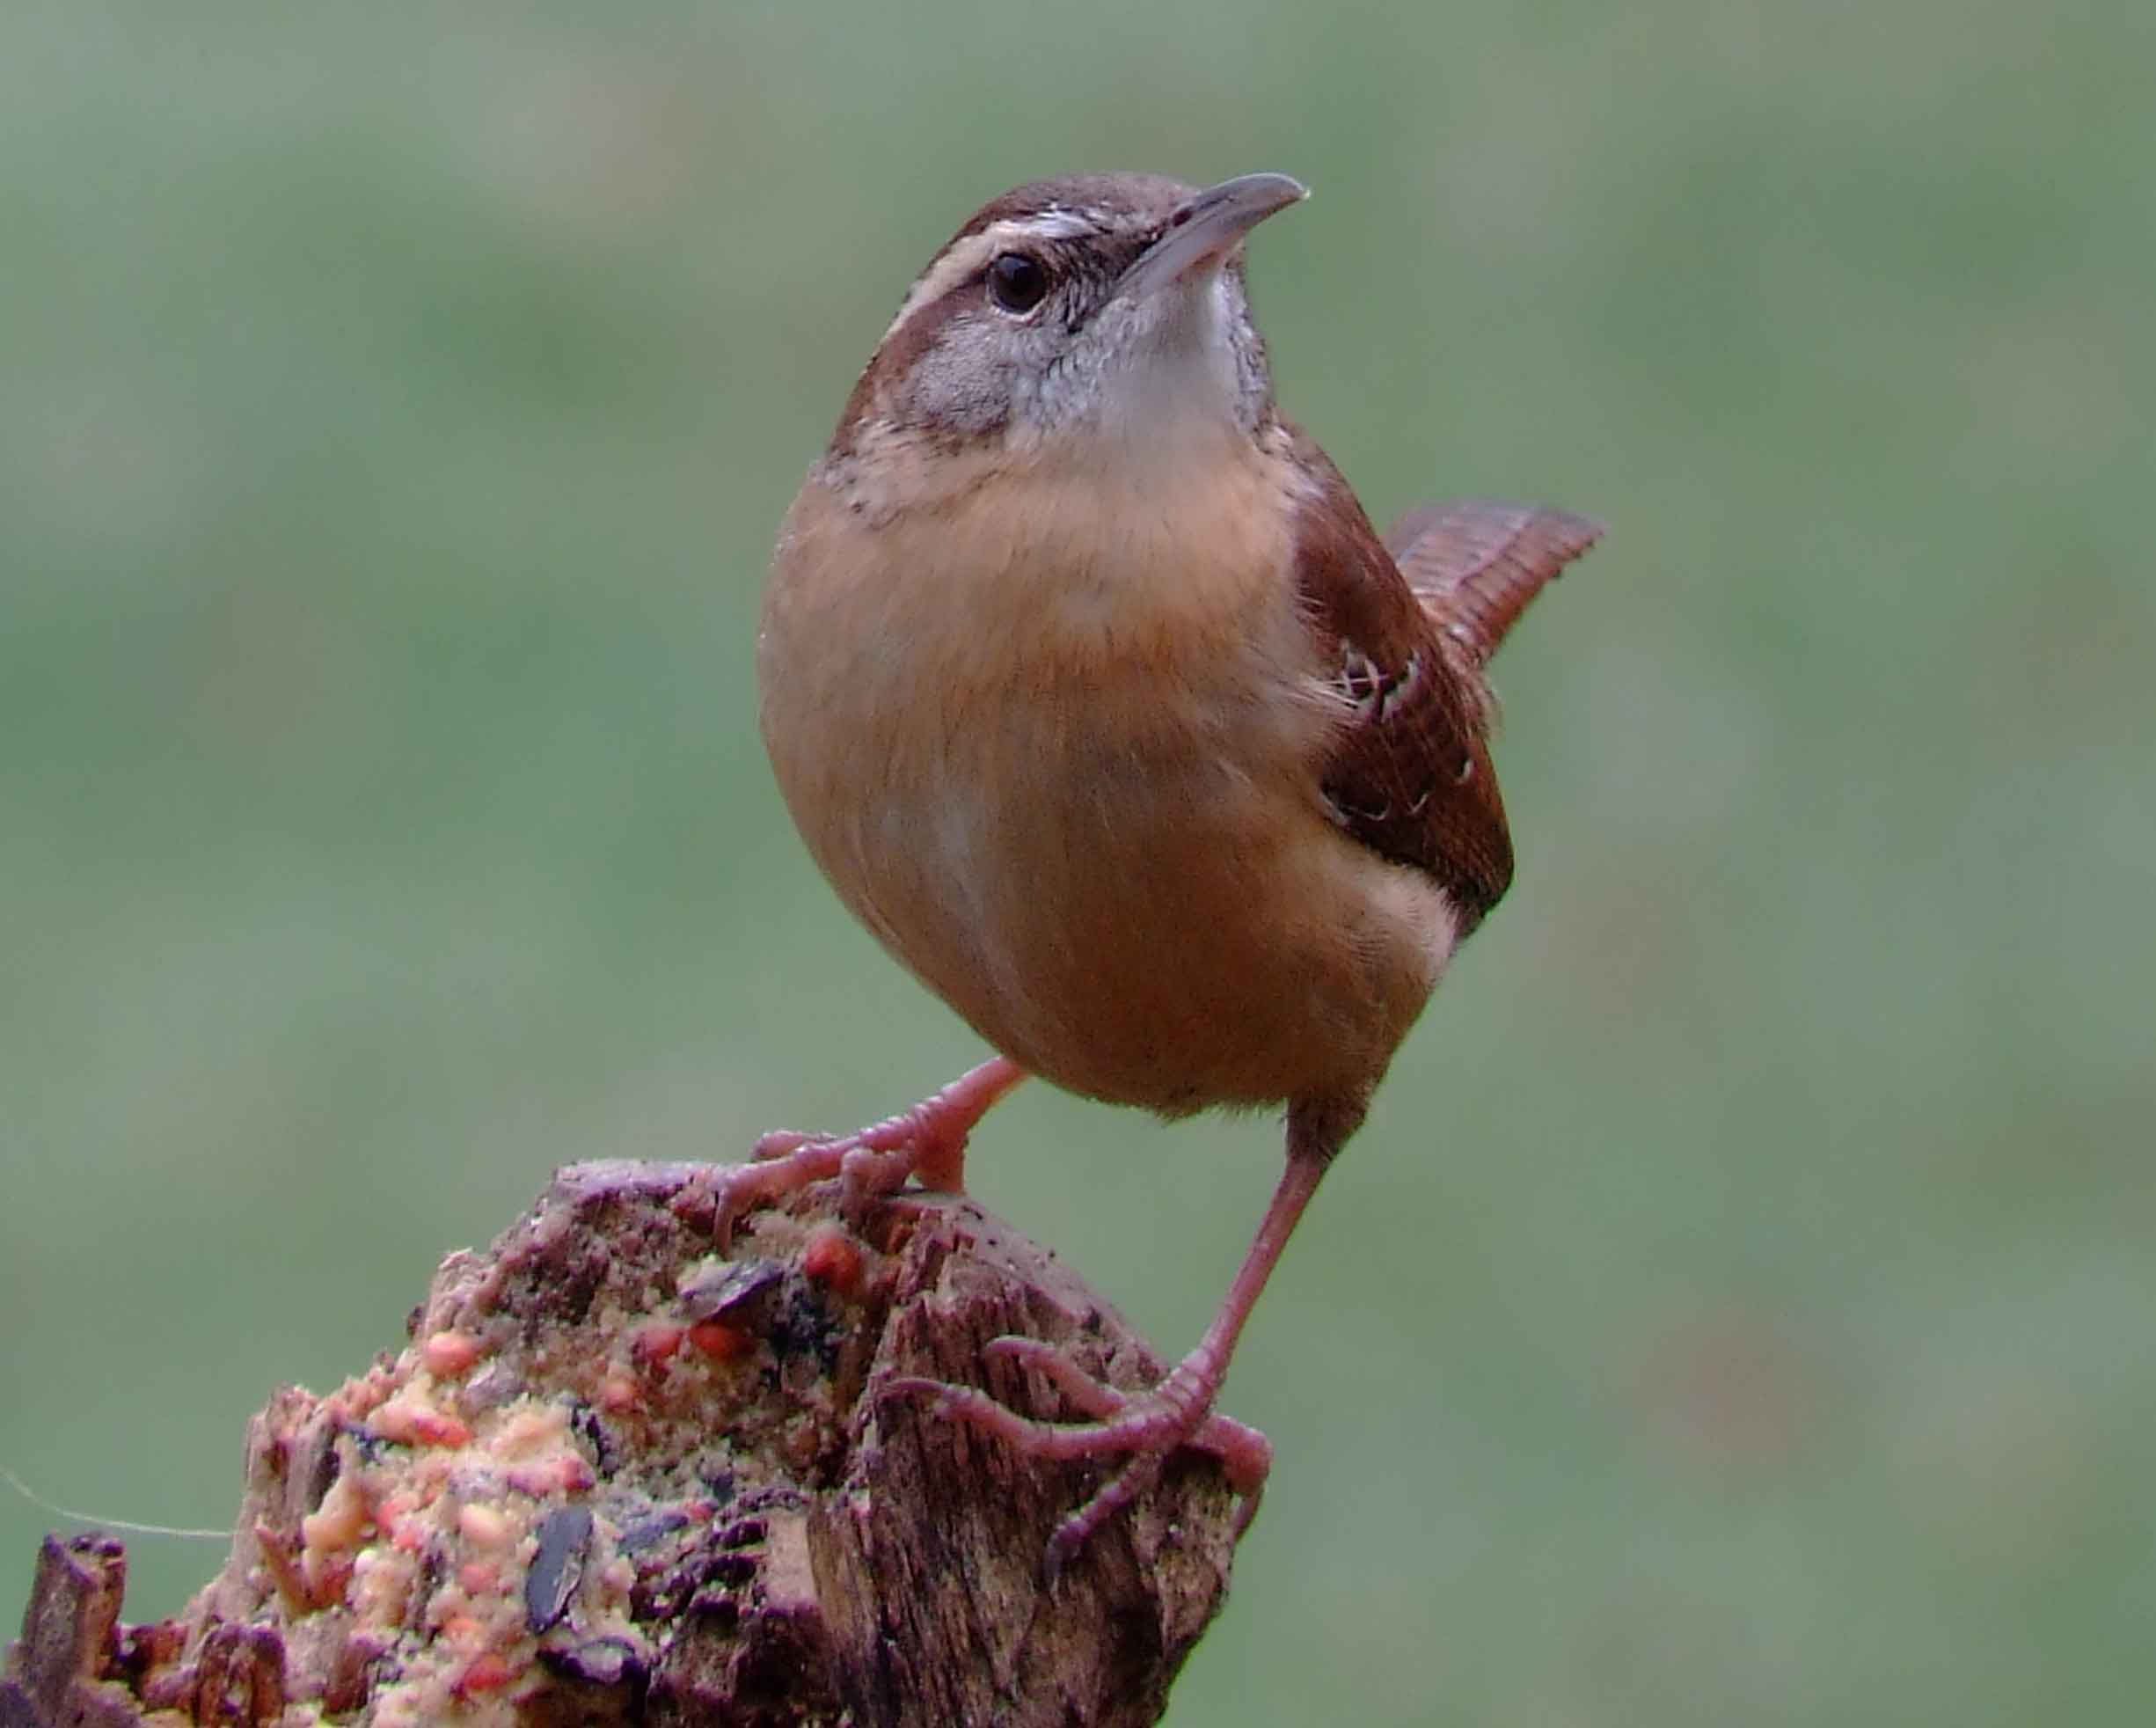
[1742, 1305]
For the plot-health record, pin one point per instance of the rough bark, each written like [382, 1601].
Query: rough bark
[619, 1476]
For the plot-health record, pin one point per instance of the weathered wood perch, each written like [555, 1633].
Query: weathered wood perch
[618, 1477]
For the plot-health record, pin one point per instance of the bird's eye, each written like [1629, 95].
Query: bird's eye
[1017, 283]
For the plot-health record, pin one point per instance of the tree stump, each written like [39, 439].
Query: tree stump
[622, 1476]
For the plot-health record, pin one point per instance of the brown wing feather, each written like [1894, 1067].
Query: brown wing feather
[1409, 775]
[1475, 564]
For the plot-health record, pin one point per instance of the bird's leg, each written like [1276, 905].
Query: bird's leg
[927, 1142]
[1144, 1428]
[1245, 1455]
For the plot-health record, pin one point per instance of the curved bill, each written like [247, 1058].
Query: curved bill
[1205, 226]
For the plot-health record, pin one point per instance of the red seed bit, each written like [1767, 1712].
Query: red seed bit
[832, 1258]
[721, 1342]
[652, 1346]
[450, 1354]
[489, 1673]
[404, 1422]
[436, 1429]
[396, 1525]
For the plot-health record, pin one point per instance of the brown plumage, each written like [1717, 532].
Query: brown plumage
[1098, 699]
[1415, 619]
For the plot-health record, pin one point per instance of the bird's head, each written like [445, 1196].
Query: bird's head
[1095, 318]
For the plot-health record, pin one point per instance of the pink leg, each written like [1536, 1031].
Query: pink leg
[1146, 1428]
[927, 1142]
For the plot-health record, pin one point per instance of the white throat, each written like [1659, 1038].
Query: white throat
[1174, 388]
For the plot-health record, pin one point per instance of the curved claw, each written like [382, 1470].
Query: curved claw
[1143, 1428]
[1243, 1452]
[783, 1142]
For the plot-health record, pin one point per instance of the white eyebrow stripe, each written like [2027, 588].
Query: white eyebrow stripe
[1056, 222]
[970, 253]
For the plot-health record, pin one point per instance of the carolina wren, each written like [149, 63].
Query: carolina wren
[1098, 699]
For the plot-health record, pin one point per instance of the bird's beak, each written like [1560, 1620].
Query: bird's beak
[1206, 227]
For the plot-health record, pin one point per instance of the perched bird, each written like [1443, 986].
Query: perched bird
[1098, 699]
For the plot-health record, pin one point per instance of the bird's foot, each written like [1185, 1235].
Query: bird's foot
[1142, 1428]
[927, 1142]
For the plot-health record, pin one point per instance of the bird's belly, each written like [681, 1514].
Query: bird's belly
[1157, 929]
